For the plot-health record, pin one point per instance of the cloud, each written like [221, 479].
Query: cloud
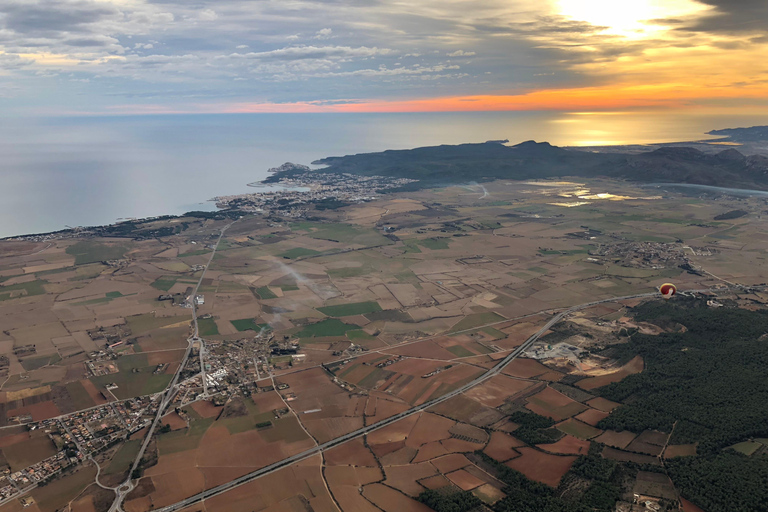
[323, 33]
[461, 53]
[314, 52]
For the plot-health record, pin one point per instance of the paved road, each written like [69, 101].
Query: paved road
[170, 392]
[370, 428]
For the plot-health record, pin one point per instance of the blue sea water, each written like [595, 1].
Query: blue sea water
[85, 171]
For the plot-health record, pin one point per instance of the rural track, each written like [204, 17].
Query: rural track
[496, 370]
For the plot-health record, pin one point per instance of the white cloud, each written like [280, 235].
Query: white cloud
[207, 15]
[461, 53]
[323, 34]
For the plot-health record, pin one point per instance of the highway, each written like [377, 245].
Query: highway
[214, 491]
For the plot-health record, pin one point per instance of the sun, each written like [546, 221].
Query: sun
[635, 19]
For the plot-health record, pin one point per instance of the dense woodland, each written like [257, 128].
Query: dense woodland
[711, 384]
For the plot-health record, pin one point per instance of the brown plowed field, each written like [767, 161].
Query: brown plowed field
[399, 457]
[525, 368]
[403, 478]
[553, 404]
[497, 389]
[206, 409]
[458, 446]
[680, 450]
[429, 427]
[389, 500]
[450, 463]
[464, 480]
[568, 445]
[397, 431]
[429, 451]
[689, 507]
[591, 416]
[542, 467]
[616, 439]
[349, 498]
[634, 366]
[174, 420]
[602, 404]
[435, 482]
[502, 446]
[383, 449]
[39, 412]
[341, 475]
[94, 393]
[352, 453]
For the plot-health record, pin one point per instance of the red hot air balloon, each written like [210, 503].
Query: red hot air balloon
[667, 290]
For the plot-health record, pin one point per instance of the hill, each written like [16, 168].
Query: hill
[451, 164]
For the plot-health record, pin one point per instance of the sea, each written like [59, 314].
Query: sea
[86, 171]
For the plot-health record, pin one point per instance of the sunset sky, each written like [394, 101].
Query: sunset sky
[187, 56]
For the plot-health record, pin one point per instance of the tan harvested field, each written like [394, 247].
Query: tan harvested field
[591, 416]
[404, 477]
[568, 445]
[464, 480]
[602, 404]
[636, 365]
[616, 439]
[353, 453]
[542, 467]
[553, 404]
[496, 390]
[429, 427]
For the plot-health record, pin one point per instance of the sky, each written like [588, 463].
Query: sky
[106, 57]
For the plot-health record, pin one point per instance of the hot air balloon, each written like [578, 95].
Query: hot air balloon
[667, 290]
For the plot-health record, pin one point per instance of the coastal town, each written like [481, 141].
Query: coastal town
[298, 187]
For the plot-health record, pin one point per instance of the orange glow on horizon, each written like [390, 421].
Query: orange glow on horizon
[589, 98]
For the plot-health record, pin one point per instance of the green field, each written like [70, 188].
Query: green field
[353, 308]
[164, 283]
[497, 334]
[124, 457]
[207, 327]
[147, 321]
[265, 293]
[578, 429]
[30, 288]
[359, 335]
[434, 243]
[459, 351]
[79, 396]
[183, 440]
[746, 447]
[247, 324]
[477, 320]
[33, 363]
[92, 252]
[329, 327]
[298, 252]
[344, 233]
